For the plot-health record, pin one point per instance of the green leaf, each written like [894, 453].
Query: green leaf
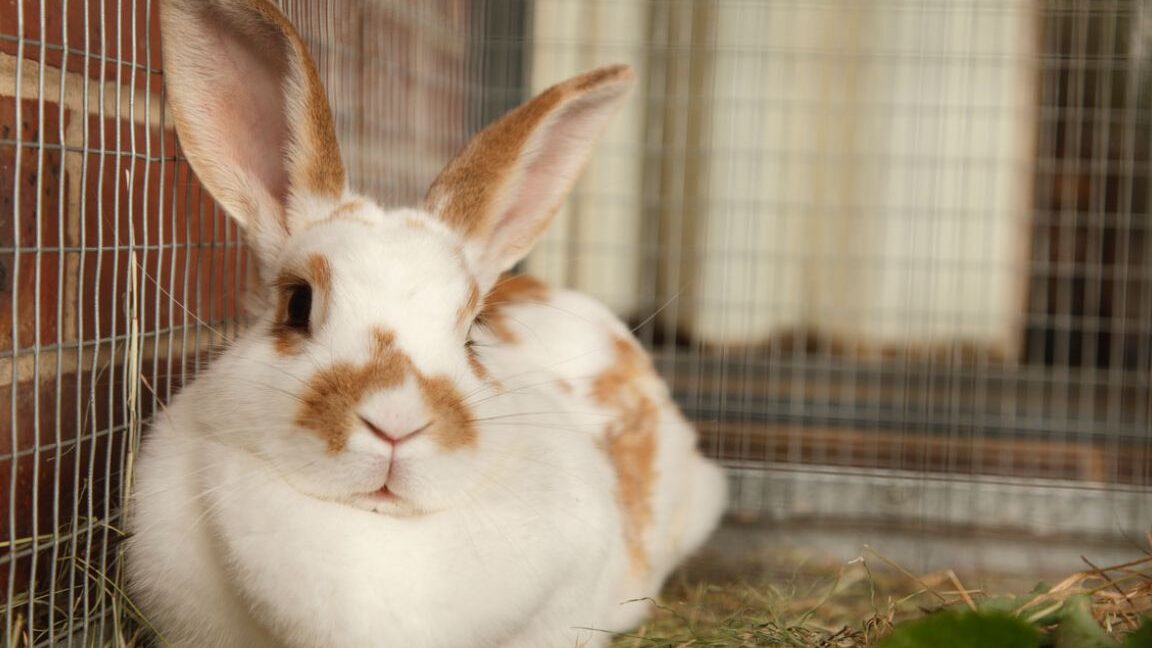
[1142, 638]
[1078, 629]
[964, 630]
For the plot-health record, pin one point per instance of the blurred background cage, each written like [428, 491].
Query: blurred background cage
[891, 255]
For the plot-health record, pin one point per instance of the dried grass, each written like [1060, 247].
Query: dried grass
[794, 601]
[822, 604]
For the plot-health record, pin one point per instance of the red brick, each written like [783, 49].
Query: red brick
[114, 157]
[77, 450]
[18, 298]
[39, 174]
[111, 47]
[203, 277]
[53, 473]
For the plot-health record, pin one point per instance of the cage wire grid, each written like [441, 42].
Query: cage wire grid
[890, 255]
[887, 404]
[76, 106]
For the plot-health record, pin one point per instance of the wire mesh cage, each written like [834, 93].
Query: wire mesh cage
[890, 255]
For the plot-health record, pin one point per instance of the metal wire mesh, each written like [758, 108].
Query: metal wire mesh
[890, 255]
[119, 275]
[118, 279]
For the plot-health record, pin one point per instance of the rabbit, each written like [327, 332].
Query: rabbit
[407, 446]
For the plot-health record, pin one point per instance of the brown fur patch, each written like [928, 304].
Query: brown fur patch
[478, 368]
[285, 341]
[320, 273]
[468, 310]
[382, 341]
[346, 209]
[508, 291]
[318, 167]
[454, 428]
[416, 223]
[464, 193]
[630, 441]
[328, 406]
[323, 167]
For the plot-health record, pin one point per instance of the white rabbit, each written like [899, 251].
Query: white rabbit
[404, 449]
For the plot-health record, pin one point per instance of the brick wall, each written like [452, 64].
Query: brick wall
[118, 275]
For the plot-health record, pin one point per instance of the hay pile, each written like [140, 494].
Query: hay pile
[822, 604]
[787, 599]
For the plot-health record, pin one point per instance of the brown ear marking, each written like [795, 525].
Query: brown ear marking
[323, 171]
[320, 167]
[251, 113]
[472, 182]
[317, 164]
[328, 407]
[510, 290]
[630, 442]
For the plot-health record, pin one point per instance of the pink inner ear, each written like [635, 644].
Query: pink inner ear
[551, 163]
[249, 105]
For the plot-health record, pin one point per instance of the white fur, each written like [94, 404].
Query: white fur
[249, 530]
[245, 532]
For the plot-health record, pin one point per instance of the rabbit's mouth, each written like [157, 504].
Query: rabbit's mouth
[384, 493]
[384, 500]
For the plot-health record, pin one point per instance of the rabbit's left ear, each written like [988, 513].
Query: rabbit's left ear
[251, 112]
[502, 191]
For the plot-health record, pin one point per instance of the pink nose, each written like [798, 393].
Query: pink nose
[394, 437]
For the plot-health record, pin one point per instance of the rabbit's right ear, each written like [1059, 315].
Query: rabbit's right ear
[504, 188]
[251, 112]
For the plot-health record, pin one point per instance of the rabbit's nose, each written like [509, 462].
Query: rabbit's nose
[393, 437]
[395, 414]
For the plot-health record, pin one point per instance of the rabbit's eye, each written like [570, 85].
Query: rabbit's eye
[480, 323]
[299, 306]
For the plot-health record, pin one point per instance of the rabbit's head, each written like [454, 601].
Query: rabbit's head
[357, 380]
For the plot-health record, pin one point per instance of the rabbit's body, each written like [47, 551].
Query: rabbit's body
[312, 573]
[403, 449]
[514, 568]
[573, 348]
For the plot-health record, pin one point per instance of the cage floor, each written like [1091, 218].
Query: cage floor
[758, 584]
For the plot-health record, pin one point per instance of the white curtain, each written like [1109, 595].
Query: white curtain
[594, 245]
[860, 169]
